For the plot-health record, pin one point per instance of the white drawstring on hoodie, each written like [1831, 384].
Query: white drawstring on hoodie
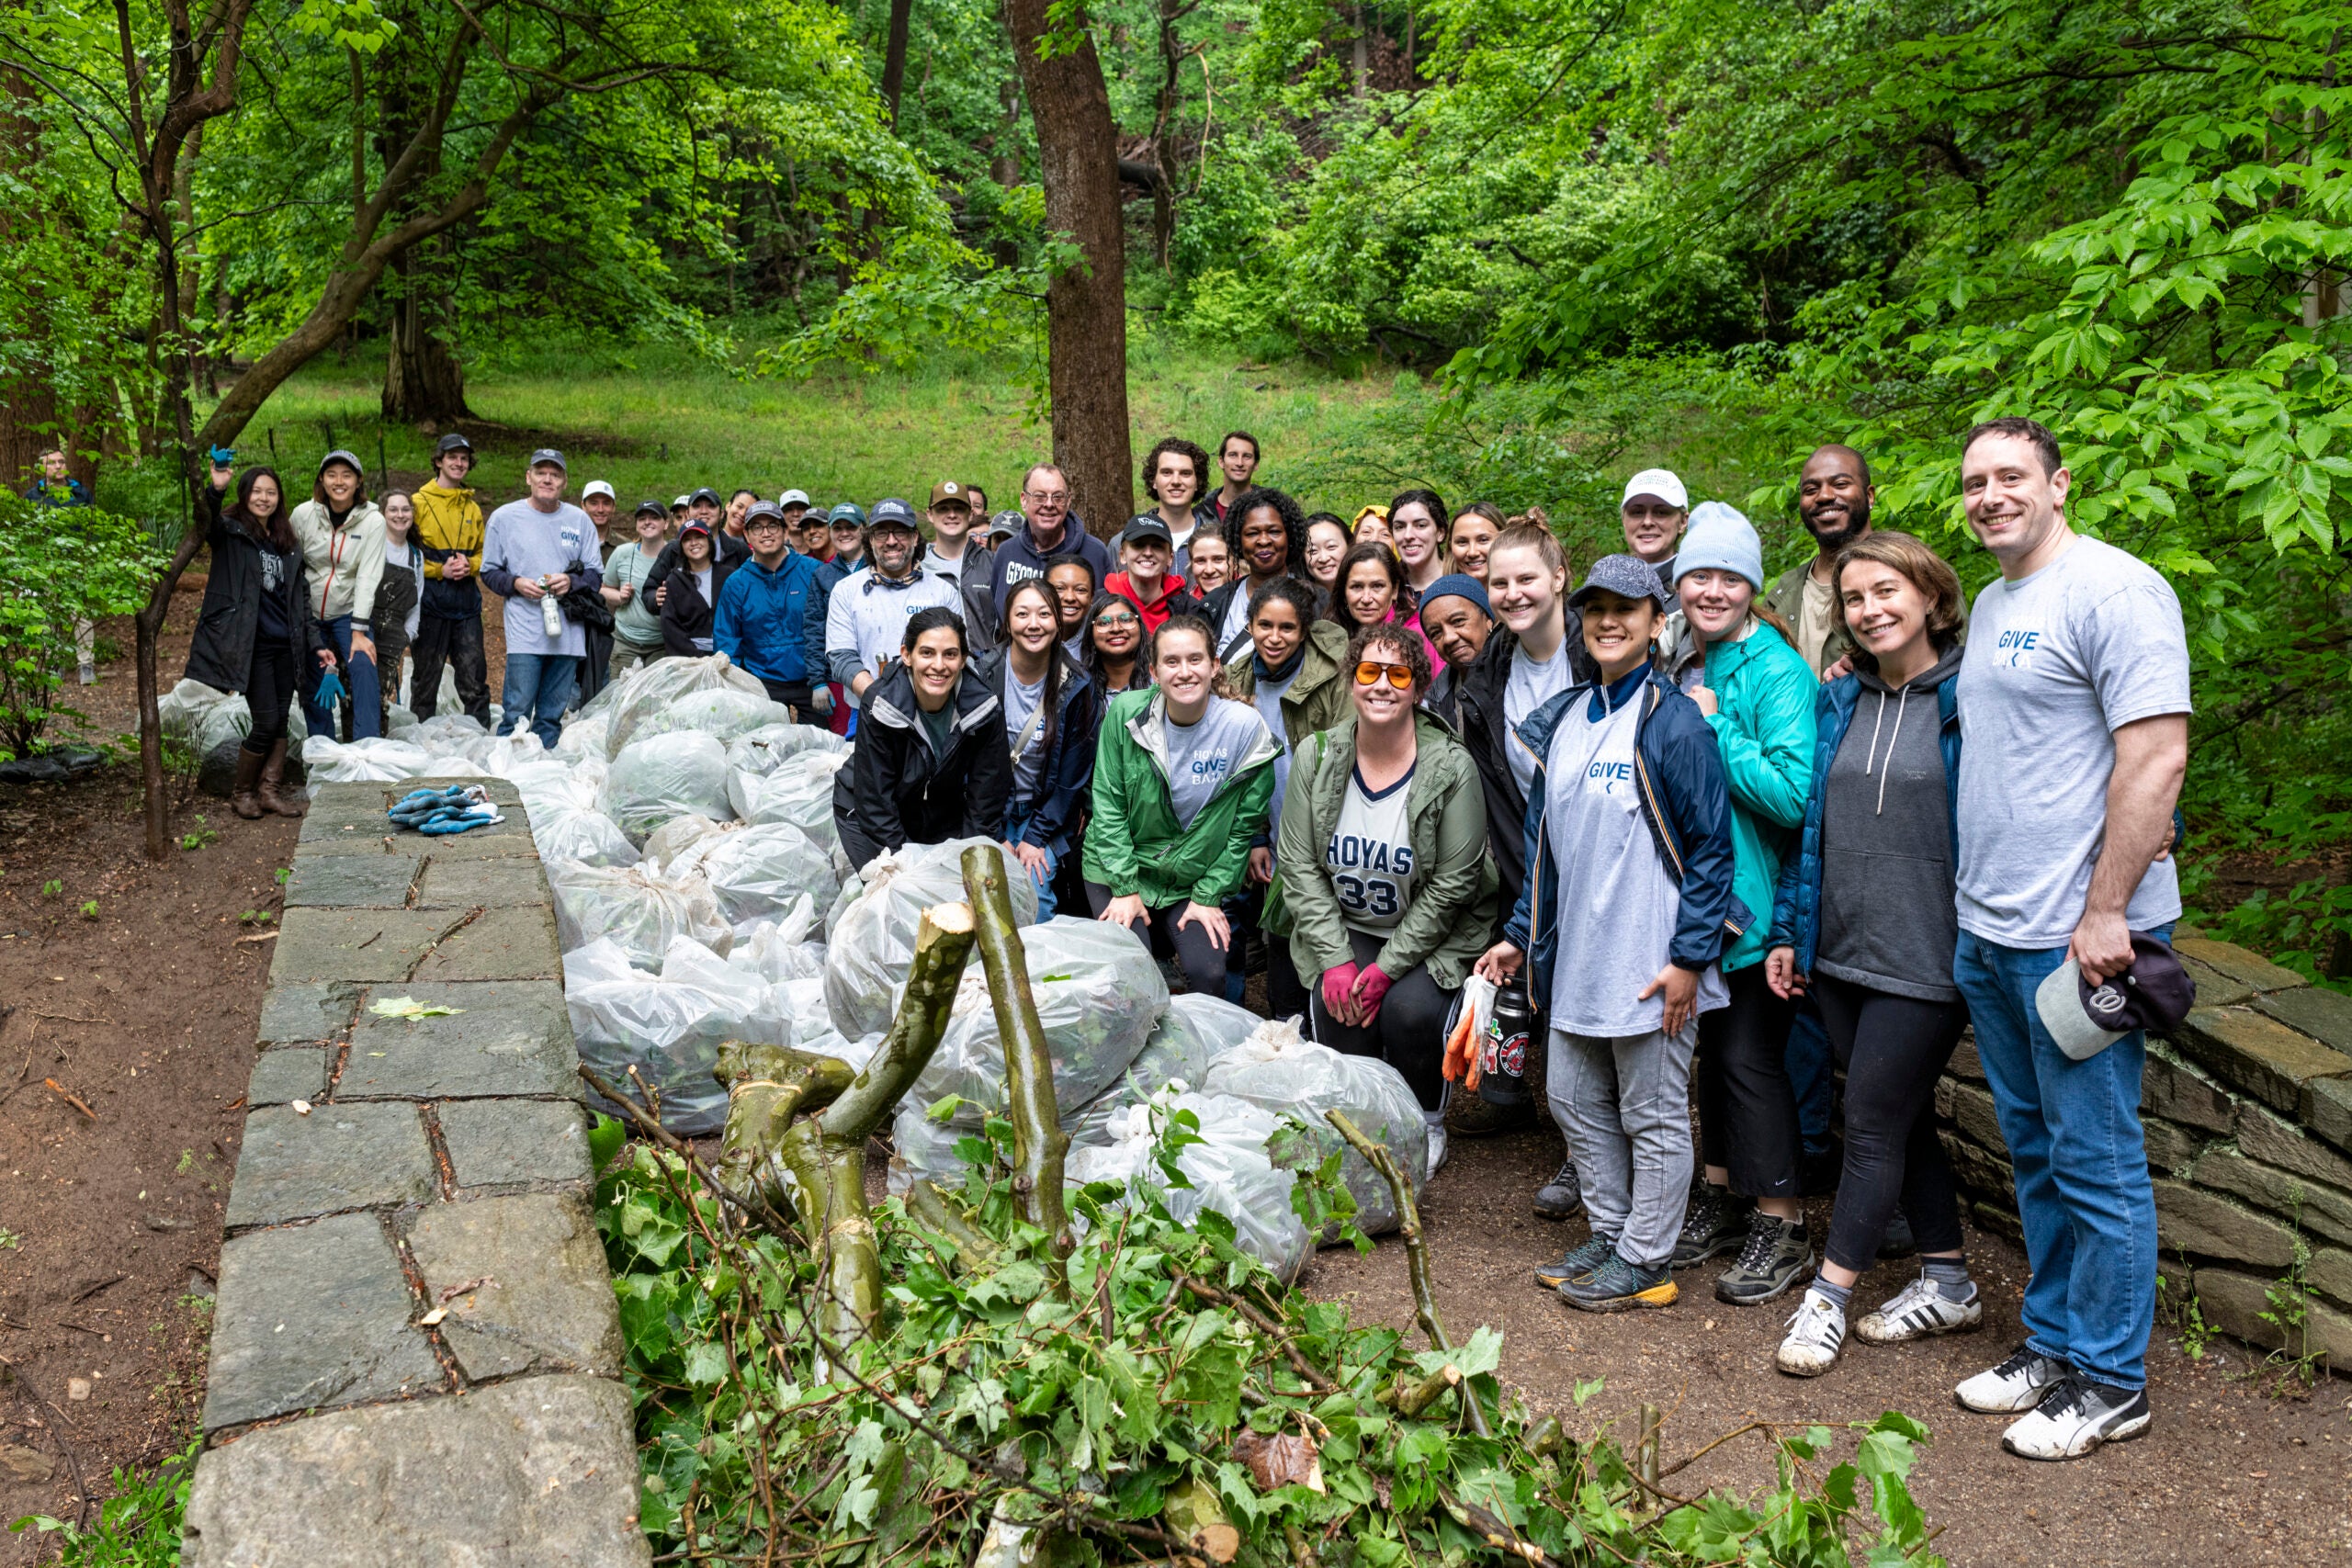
[1871, 758]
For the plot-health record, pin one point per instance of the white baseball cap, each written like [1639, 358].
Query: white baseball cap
[598, 486]
[793, 497]
[682, 502]
[1662, 483]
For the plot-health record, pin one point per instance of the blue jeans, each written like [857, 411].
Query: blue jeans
[540, 685]
[358, 675]
[2084, 1194]
[1809, 1066]
[1044, 880]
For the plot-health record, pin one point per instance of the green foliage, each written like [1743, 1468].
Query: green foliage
[57, 565]
[984, 1396]
[138, 1526]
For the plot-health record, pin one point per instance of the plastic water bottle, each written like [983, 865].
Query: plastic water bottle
[551, 614]
[1503, 1069]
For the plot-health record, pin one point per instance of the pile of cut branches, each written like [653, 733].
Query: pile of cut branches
[995, 1377]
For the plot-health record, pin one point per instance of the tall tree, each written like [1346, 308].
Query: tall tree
[1086, 303]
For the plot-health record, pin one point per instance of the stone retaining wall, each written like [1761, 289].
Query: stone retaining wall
[416, 1349]
[2248, 1110]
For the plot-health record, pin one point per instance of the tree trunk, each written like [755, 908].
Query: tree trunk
[894, 57]
[1038, 1141]
[1086, 305]
[422, 381]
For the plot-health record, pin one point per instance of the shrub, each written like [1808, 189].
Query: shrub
[57, 567]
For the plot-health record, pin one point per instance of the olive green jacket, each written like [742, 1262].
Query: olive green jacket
[1317, 697]
[1452, 912]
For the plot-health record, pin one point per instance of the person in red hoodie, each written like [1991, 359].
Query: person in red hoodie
[1146, 550]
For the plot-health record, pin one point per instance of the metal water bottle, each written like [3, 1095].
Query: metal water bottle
[550, 612]
[1503, 1066]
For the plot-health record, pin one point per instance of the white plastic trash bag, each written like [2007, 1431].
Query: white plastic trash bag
[779, 952]
[1278, 1070]
[1192, 1033]
[647, 690]
[723, 712]
[669, 1026]
[1228, 1170]
[203, 717]
[667, 776]
[676, 836]
[567, 823]
[376, 761]
[765, 750]
[867, 952]
[583, 738]
[759, 872]
[798, 790]
[641, 913]
[1098, 993]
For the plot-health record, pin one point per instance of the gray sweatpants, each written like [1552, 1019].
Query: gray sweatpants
[1624, 1107]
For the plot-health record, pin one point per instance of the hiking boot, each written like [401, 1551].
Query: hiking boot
[1579, 1261]
[242, 798]
[1898, 1241]
[1918, 1310]
[1816, 1333]
[2077, 1415]
[2015, 1384]
[1717, 1223]
[273, 779]
[1618, 1286]
[1775, 1259]
[1560, 1197]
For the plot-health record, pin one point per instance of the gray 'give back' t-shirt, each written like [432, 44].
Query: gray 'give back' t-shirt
[1203, 754]
[2056, 664]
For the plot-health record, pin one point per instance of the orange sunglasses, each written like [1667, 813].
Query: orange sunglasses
[1399, 676]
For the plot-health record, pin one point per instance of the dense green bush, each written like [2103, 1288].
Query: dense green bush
[57, 565]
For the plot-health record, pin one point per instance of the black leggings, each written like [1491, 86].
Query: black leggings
[1286, 994]
[1893, 1049]
[1203, 963]
[1747, 1113]
[1409, 1033]
[270, 693]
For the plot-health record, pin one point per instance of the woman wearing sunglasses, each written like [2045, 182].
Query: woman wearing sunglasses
[1383, 852]
[1113, 646]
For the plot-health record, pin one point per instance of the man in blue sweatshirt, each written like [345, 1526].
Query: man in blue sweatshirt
[761, 618]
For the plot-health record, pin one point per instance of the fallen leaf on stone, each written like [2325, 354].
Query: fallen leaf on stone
[1282, 1459]
[26, 1464]
[301, 1108]
[451, 1293]
[410, 1009]
[435, 1315]
[78, 1388]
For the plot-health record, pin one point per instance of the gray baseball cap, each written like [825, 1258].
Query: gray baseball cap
[549, 455]
[1628, 577]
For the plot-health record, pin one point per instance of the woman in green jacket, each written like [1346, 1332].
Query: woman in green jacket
[1291, 674]
[1383, 850]
[1181, 778]
[1758, 692]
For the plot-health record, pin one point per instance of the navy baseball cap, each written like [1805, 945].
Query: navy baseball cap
[763, 512]
[653, 507]
[2084, 1020]
[1146, 527]
[705, 493]
[892, 512]
[1627, 576]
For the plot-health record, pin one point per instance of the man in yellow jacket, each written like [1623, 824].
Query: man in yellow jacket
[450, 530]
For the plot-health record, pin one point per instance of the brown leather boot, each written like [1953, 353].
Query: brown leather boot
[242, 799]
[273, 779]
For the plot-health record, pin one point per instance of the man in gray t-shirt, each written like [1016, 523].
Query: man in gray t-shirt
[2074, 717]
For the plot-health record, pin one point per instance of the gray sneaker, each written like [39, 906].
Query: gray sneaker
[1580, 1260]
[1716, 1224]
[1774, 1262]
[1560, 1197]
[1618, 1286]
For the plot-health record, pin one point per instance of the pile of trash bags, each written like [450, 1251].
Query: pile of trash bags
[701, 895]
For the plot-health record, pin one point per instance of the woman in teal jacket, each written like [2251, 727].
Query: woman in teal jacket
[1758, 694]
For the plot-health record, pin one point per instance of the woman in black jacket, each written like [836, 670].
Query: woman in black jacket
[690, 596]
[933, 761]
[255, 631]
[1050, 717]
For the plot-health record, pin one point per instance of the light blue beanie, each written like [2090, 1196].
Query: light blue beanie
[1721, 538]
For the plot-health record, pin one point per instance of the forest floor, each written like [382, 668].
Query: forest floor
[2230, 1472]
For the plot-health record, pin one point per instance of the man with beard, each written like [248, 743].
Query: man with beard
[1834, 497]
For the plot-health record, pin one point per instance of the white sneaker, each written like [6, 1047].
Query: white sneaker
[1435, 1122]
[2076, 1417]
[1918, 1310]
[1816, 1333]
[2015, 1384]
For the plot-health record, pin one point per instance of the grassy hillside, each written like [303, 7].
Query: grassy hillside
[656, 422]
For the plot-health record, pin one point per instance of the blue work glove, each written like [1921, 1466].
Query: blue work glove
[457, 822]
[330, 689]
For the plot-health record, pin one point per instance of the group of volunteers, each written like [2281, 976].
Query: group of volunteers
[1684, 812]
